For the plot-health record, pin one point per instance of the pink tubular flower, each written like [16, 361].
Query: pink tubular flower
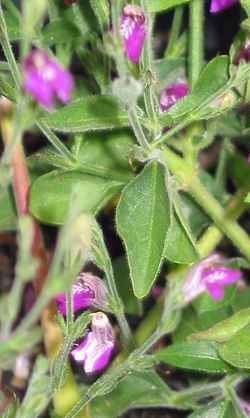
[96, 349]
[89, 290]
[209, 275]
[220, 5]
[171, 94]
[45, 80]
[133, 30]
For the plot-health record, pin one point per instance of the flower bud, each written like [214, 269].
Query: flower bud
[172, 94]
[97, 347]
[209, 275]
[217, 6]
[45, 80]
[128, 90]
[88, 291]
[133, 30]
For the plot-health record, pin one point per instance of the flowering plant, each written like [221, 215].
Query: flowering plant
[124, 199]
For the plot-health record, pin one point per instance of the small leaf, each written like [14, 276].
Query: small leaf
[211, 82]
[221, 410]
[247, 200]
[50, 194]
[205, 303]
[88, 114]
[102, 12]
[226, 329]
[132, 392]
[198, 356]
[160, 5]
[132, 305]
[142, 222]
[236, 351]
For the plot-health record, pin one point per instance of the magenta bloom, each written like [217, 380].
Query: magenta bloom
[209, 275]
[171, 94]
[133, 30]
[96, 349]
[89, 290]
[45, 80]
[220, 5]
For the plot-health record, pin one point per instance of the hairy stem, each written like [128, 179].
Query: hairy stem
[196, 40]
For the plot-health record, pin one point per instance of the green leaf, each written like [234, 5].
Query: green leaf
[38, 393]
[197, 105]
[246, 5]
[160, 5]
[192, 322]
[198, 356]
[88, 114]
[221, 410]
[180, 245]
[205, 303]
[102, 12]
[247, 200]
[169, 70]
[239, 169]
[236, 351]
[132, 305]
[132, 392]
[142, 222]
[179, 248]
[60, 31]
[50, 194]
[226, 329]
[7, 87]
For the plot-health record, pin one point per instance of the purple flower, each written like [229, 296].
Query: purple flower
[45, 80]
[209, 275]
[133, 30]
[245, 406]
[96, 349]
[220, 5]
[89, 290]
[171, 94]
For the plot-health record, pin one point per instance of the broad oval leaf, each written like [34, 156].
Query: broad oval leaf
[220, 410]
[87, 114]
[198, 356]
[142, 222]
[50, 194]
[236, 351]
[226, 329]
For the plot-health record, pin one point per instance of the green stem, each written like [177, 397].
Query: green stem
[137, 128]
[213, 235]
[196, 40]
[175, 30]
[209, 204]
[148, 69]
[164, 138]
[5, 43]
[116, 7]
[220, 177]
[55, 141]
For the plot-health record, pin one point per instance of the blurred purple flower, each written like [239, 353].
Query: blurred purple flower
[220, 5]
[171, 94]
[209, 275]
[45, 80]
[245, 406]
[133, 30]
[89, 290]
[97, 347]
[248, 158]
